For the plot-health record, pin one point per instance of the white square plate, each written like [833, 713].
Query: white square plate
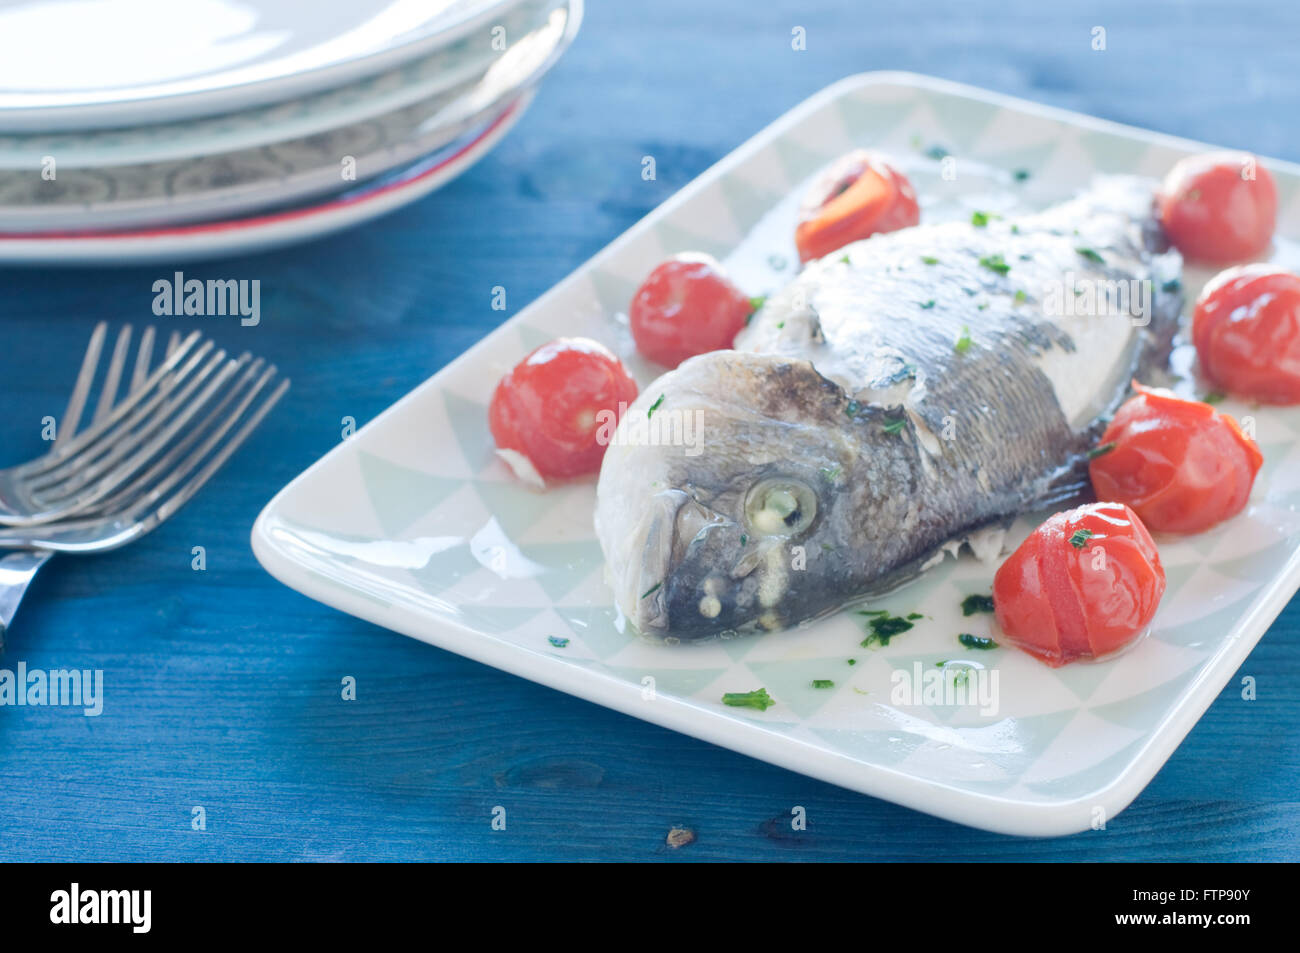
[413, 523]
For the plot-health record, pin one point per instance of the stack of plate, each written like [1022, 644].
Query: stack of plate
[156, 130]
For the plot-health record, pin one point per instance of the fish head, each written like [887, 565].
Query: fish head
[740, 526]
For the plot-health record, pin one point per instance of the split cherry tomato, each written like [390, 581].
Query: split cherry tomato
[687, 307]
[1219, 207]
[1180, 465]
[1084, 584]
[548, 414]
[1247, 333]
[857, 196]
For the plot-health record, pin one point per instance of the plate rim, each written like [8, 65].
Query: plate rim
[160, 102]
[989, 812]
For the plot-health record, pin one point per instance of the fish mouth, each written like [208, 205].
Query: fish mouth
[653, 586]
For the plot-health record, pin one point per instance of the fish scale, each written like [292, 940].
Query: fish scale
[850, 371]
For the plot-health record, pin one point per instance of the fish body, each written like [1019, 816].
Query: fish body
[896, 397]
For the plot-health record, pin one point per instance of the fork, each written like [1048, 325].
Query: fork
[81, 469]
[182, 461]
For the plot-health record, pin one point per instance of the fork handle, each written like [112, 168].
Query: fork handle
[17, 570]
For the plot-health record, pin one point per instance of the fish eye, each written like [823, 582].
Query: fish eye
[780, 507]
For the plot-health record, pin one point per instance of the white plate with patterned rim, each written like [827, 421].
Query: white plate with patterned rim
[88, 64]
[413, 523]
[458, 64]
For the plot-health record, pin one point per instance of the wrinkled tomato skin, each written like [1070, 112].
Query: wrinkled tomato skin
[1213, 212]
[1060, 602]
[1180, 465]
[549, 406]
[857, 196]
[1246, 329]
[687, 306]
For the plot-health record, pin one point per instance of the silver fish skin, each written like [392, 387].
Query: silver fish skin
[896, 397]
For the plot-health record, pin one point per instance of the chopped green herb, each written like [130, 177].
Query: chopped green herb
[982, 306]
[981, 219]
[884, 627]
[870, 612]
[1021, 297]
[652, 590]
[822, 683]
[780, 325]
[1104, 449]
[937, 152]
[927, 305]
[853, 661]
[976, 603]
[1080, 538]
[995, 263]
[1214, 397]
[757, 302]
[1020, 175]
[851, 408]
[758, 698]
[1026, 257]
[1091, 255]
[963, 341]
[960, 676]
[1015, 229]
[1172, 285]
[976, 641]
[831, 473]
[844, 259]
[929, 259]
[558, 642]
[913, 616]
[744, 539]
[655, 406]
[895, 425]
[970, 291]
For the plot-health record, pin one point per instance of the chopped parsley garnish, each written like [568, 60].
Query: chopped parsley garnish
[1105, 448]
[558, 642]
[1091, 255]
[884, 627]
[913, 616]
[655, 406]
[1015, 229]
[1020, 175]
[982, 306]
[1172, 285]
[757, 302]
[652, 590]
[853, 661]
[830, 473]
[851, 408]
[1080, 538]
[976, 641]
[1021, 297]
[929, 259]
[976, 603]
[970, 291]
[995, 263]
[822, 683]
[1214, 397]
[780, 325]
[844, 259]
[963, 342]
[981, 219]
[937, 152]
[895, 425]
[927, 305]
[744, 539]
[758, 698]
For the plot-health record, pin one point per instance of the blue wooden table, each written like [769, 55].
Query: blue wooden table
[222, 687]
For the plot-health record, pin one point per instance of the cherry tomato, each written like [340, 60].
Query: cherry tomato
[1180, 465]
[687, 307]
[858, 195]
[1218, 207]
[1082, 585]
[550, 411]
[1247, 333]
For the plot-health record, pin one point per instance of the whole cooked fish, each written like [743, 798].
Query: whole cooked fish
[896, 398]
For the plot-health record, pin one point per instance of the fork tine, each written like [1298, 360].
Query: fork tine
[113, 379]
[149, 520]
[71, 476]
[128, 494]
[143, 356]
[81, 390]
[157, 382]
